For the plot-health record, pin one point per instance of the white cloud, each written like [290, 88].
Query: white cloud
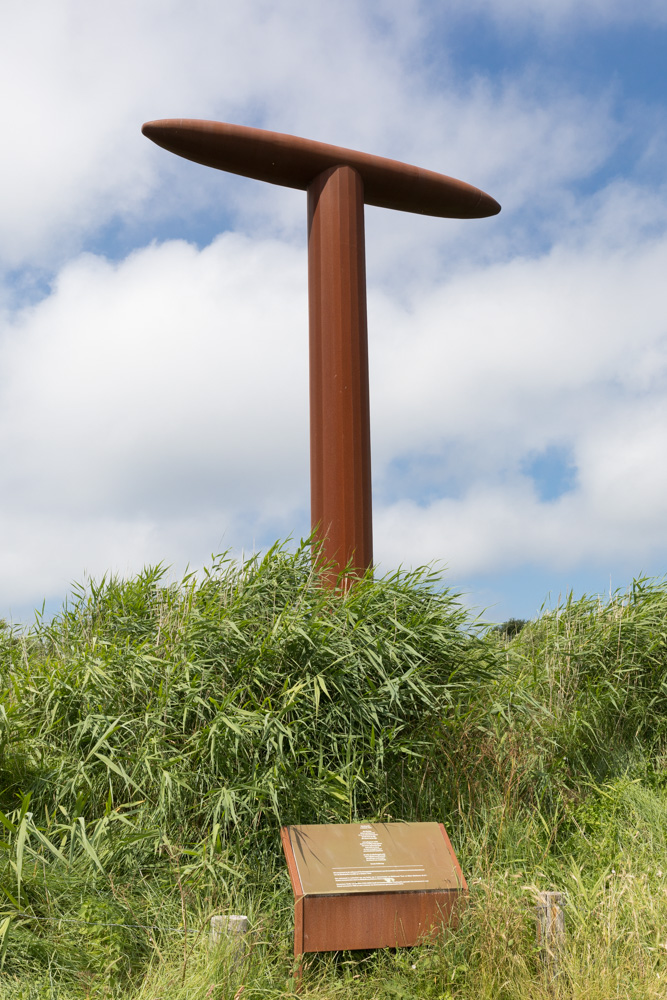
[173, 382]
[615, 514]
[86, 76]
[156, 408]
[159, 406]
[550, 337]
[569, 349]
[155, 367]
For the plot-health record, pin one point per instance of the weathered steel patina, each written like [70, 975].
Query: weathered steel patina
[371, 885]
[339, 182]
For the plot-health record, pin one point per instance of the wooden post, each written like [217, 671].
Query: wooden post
[230, 931]
[550, 929]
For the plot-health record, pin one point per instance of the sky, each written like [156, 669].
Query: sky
[153, 312]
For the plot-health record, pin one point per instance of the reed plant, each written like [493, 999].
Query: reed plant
[154, 736]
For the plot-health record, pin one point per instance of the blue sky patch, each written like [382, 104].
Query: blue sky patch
[553, 471]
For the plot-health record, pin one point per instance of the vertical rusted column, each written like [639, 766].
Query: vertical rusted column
[340, 439]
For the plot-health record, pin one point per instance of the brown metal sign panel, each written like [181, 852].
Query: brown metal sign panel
[294, 162]
[371, 885]
[388, 920]
[373, 858]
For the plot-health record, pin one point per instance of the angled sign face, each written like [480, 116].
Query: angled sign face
[373, 857]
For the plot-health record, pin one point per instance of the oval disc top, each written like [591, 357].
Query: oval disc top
[294, 162]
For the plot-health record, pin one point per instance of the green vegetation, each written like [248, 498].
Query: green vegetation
[153, 738]
[511, 627]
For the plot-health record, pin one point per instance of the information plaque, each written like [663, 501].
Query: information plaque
[370, 885]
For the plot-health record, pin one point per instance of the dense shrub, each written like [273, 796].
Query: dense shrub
[153, 737]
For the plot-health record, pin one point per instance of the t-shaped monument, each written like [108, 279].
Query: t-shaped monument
[339, 182]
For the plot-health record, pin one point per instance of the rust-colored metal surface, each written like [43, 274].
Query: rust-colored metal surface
[339, 182]
[297, 887]
[340, 429]
[352, 923]
[371, 885]
[372, 857]
[294, 162]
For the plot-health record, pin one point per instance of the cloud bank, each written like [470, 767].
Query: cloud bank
[153, 331]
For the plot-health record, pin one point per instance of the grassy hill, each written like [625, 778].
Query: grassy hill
[154, 737]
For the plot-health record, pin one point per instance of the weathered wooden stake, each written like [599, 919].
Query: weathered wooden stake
[232, 931]
[550, 929]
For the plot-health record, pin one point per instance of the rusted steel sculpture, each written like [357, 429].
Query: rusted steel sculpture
[339, 182]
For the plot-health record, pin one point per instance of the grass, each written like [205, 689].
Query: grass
[154, 737]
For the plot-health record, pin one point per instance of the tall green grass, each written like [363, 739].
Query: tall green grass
[154, 736]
